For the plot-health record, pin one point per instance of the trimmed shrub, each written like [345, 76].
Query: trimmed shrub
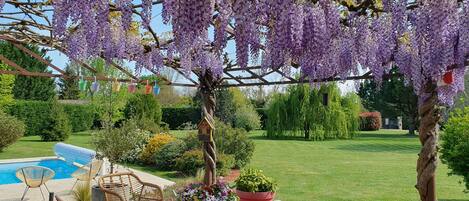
[175, 117]
[192, 141]
[154, 145]
[228, 140]
[370, 121]
[190, 162]
[234, 141]
[146, 109]
[224, 164]
[11, 129]
[81, 116]
[247, 118]
[57, 128]
[151, 126]
[165, 159]
[455, 144]
[139, 140]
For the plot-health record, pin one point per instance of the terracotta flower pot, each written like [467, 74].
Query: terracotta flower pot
[258, 196]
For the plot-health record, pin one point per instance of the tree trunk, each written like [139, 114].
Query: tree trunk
[412, 124]
[207, 91]
[428, 134]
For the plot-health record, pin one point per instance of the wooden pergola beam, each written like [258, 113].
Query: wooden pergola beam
[99, 78]
[83, 64]
[29, 74]
[42, 60]
[13, 64]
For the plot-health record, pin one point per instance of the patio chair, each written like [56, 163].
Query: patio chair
[88, 172]
[128, 187]
[34, 177]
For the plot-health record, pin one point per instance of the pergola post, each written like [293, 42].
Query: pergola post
[207, 91]
[428, 134]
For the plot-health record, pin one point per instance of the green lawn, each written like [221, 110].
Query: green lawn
[32, 146]
[374, 166]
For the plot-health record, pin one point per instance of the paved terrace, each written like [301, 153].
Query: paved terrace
[62, 187]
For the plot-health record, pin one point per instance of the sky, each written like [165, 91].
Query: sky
[61, 60]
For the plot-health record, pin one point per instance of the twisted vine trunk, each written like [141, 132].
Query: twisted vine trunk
[207, 91]
[428, 134]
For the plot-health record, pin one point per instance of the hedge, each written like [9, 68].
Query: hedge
[81, 117]
[174, 117]
[35, 115]
[370, 121]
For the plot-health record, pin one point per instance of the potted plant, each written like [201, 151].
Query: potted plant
[253, 185]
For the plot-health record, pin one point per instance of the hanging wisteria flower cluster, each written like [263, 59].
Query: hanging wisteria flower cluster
[323, 38]
[2, 3]
[91, 28]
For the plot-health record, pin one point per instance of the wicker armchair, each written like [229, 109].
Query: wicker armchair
[128, 187]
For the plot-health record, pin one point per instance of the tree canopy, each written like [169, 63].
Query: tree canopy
[335, 116]
[30, 88]
[392, 98]
[69, 85]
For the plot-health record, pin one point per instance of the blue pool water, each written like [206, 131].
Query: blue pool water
[61, 168]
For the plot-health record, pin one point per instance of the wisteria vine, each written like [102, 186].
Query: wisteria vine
[323, 38]
[2, 3]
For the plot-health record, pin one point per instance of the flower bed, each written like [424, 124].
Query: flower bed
[199, 192]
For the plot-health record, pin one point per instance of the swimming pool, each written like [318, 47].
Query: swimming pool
[61, 168]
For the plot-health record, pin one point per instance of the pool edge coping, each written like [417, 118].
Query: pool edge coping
[20, 160]
[138, 172]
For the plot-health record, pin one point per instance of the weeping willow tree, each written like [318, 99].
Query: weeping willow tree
[314, 114]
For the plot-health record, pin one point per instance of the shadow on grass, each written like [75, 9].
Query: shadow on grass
[262, 137]
[385, 136]
[380, 147]
[31, 140]
[361, 136]
[154, 171]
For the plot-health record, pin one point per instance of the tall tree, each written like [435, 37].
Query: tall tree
[31, 88]
[394, 98]
[69, 85]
